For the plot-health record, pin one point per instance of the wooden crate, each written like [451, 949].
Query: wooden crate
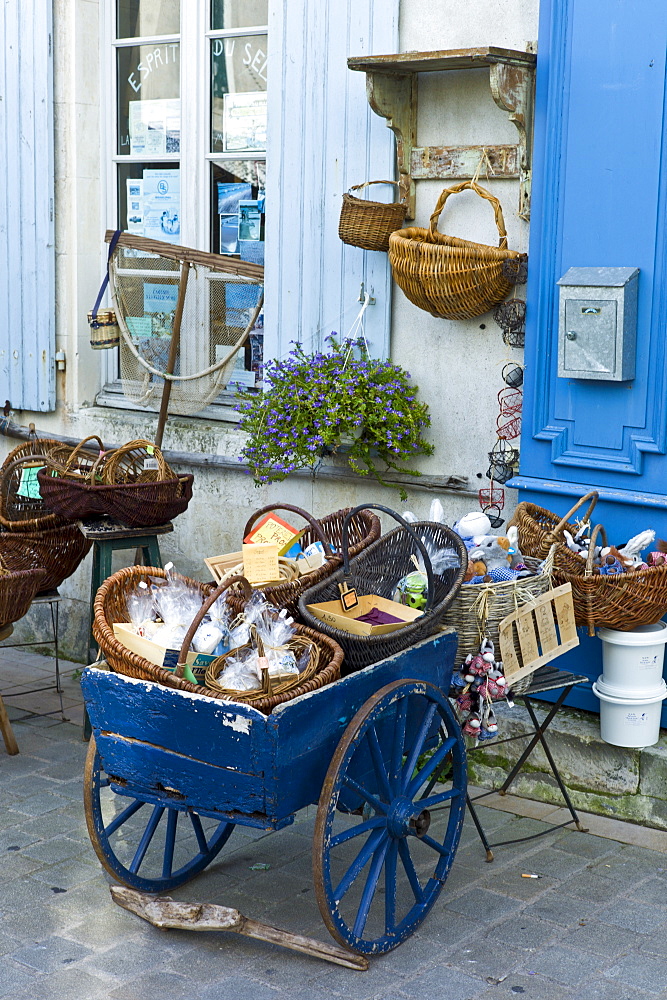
[537, 633]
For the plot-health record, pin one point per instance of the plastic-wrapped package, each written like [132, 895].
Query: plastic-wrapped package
[177, 603]
[140, 608]
[239, 675]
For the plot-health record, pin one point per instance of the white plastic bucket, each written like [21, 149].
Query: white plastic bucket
[626, 721]
[632, 661]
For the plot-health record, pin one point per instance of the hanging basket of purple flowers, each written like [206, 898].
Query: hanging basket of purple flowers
[342, 402]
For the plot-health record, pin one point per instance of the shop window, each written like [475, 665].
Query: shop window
[188, 160]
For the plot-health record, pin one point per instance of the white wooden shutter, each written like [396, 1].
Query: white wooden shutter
[323, 138]
[27, 257]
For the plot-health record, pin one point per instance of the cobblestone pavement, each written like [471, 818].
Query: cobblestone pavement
[593, 927]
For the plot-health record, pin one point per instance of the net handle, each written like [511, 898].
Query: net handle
[418, 542]
[198, 618]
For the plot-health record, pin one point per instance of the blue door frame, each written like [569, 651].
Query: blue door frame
[599, 199]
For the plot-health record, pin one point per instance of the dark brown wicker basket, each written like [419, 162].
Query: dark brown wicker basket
[20, 513]
[57, 550]
[364, 529]
[136, 505]
[369, 224]
[19, 582]
[111, 606]
[377, 570]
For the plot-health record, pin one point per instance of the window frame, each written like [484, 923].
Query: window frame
[194, 158]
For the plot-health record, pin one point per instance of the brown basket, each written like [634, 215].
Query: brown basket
[623, 601]
[78, 462]
[369, 224]
[19, 582]
[104, 330]
[364, 529]
[449, 277]
[128, 464]
[111, 606]
[269, 687]
[20, 513]
[136, 505]
[539, 529]
[57, 550]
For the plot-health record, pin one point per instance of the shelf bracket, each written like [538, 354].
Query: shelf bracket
[512, 89]
[394, 97]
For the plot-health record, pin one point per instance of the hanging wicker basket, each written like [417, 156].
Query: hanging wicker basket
[104, 330]
[369, 224]
[449, 277]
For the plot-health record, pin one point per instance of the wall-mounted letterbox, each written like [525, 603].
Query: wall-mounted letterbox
[597, 323]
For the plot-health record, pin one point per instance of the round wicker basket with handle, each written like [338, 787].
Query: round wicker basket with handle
[539, 529]
[369, 224]
[450, 277]
[111, 606]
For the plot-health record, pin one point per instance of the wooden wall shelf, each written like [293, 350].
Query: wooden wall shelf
[391, 87]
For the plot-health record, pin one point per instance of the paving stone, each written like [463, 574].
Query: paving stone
[67, 874]
[510, 882]
[168, 986]
[15, 978]
[32, 925]
[520, 986]
[22, 789]
[565, 965]
[479, 957]
[441, 981]
[15, 865]
[51, 954]
[479, 901]
[640, 972]
[52, 851]
[633, 915]
[560, 909]
[132, 959]
[72, 984]
[38, 805]
[556, 863]
[590, 887]
[607, 990]
[603, 939]
[524, 931]
[7, 944]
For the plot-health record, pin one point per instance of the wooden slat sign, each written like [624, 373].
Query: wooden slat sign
[537, 633]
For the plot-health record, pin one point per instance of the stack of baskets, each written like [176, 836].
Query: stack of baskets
[111, 606]
[363, 529]
[133, 484]
[19, 582]
[31, 536]
[378, 570]
[624, 601]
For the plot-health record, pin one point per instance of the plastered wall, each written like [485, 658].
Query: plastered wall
[456, 364]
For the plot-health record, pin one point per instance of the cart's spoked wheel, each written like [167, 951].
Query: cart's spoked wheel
[146, 847]
[384, 842]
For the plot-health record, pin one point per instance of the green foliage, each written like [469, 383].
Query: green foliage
[343, 402]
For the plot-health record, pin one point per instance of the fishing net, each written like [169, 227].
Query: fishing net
[183, 316]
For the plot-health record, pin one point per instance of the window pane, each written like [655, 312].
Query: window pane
[239, 13]
[149, 200]
[149, 107]
[136, 18]
[238, 94]
[237, 209]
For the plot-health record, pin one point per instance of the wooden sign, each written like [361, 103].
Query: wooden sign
[537, 633]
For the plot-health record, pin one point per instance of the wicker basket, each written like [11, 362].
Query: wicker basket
[623, 601]
[136, 505]
[479, 608]
[111, 606]
[25, 513]
[57, 550]
[19, 582]
[450, 277]
[136, 462]
[369, 224]
[364, 529]
[104, 330]
[377, 570]
[539, 529]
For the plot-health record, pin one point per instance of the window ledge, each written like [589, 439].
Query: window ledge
[112, 396]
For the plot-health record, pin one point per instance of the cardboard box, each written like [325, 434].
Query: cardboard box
[159, 655]
[331, 613]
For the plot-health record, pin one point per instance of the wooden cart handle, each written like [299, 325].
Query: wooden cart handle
[198, 618]
[430, 584]
[483, 193]
[315, 525]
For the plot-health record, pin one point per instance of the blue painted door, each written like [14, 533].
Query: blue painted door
[599, 199]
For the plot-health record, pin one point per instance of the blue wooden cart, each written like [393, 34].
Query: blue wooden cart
[169, 774]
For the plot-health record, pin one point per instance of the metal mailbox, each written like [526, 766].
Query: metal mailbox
[597, 323]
